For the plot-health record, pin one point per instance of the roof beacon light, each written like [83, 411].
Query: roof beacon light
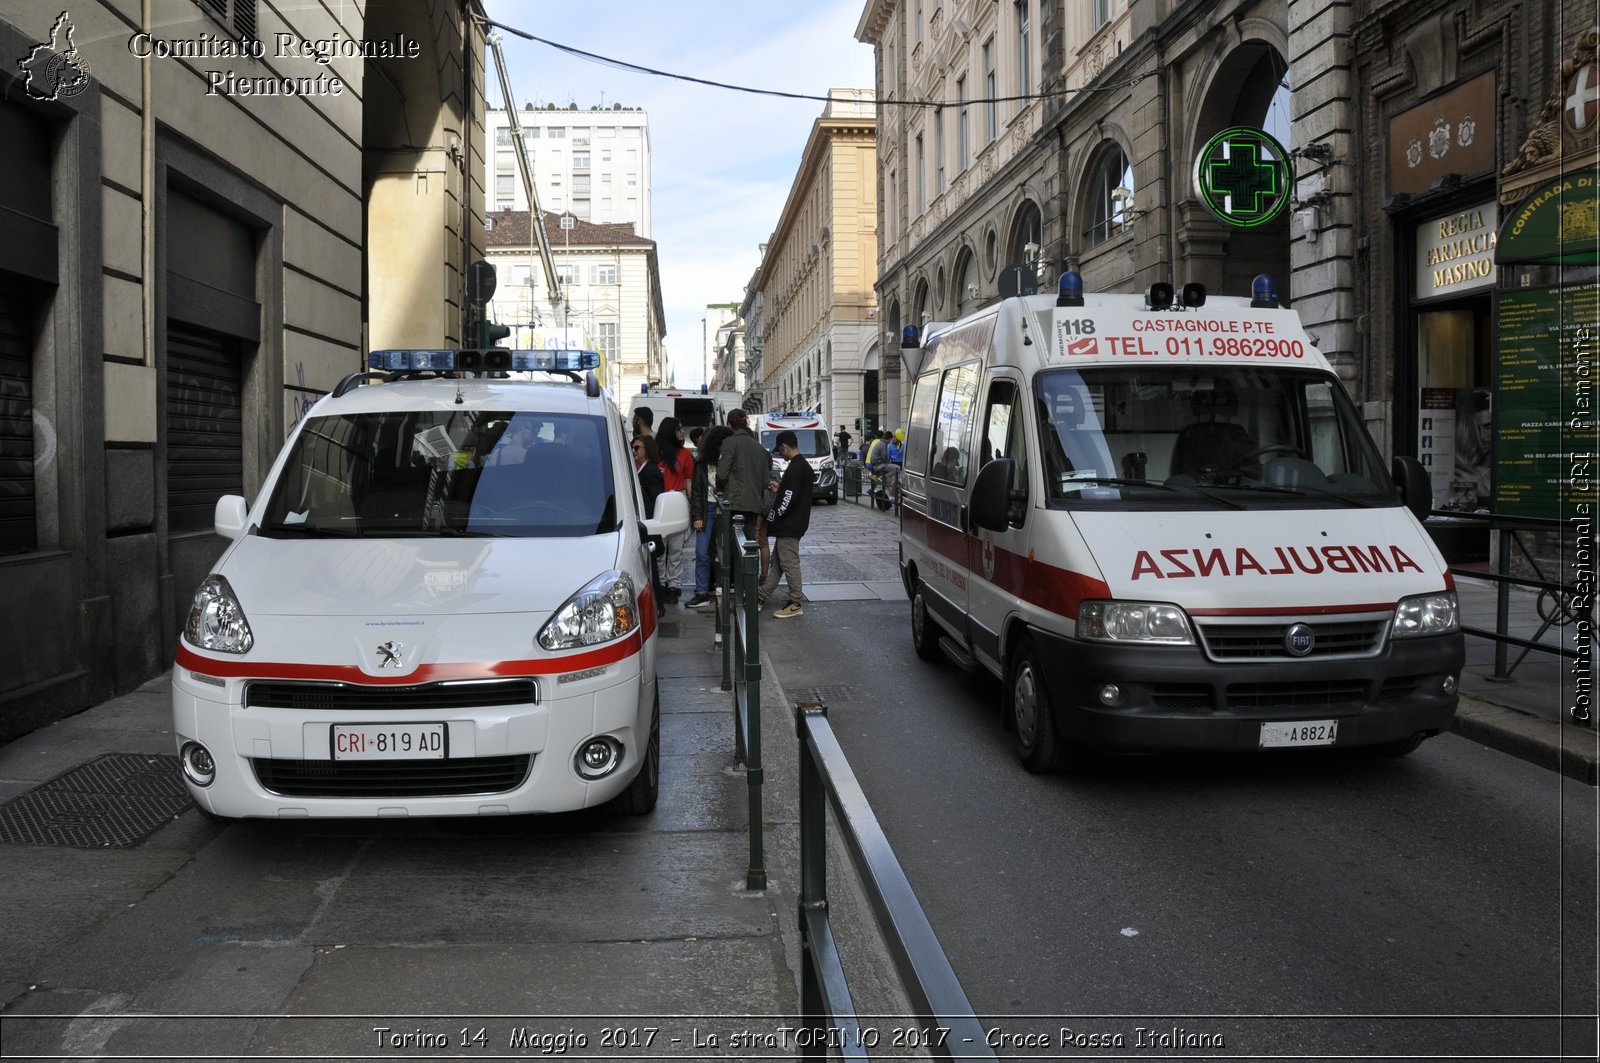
[495, 358]
[910, 337]
[1264, 291]
[1160, 295]
[1194, 294]
[1069, 291]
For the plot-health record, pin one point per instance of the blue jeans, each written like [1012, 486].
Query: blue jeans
[702, 550]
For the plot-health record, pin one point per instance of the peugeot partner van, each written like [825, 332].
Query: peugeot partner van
[815, 442]
[439, 605]
[1162, 524]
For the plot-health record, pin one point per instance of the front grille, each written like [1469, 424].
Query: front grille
[1344, 638]
[393, 778]
[1180, 696]
[356, 697]
[1398, 688]
[1298, 695]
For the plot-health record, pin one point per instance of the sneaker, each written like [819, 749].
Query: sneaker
[761, 600]
[700, 598]
[792, 609]
[707, 606]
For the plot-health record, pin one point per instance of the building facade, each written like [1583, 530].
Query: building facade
[610, 294]
[724, 335]
[594, 163]
[194, 247]
[816, 276]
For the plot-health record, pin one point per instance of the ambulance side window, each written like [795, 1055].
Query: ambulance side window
[951, 436]
[919, 433]
[1001, 433]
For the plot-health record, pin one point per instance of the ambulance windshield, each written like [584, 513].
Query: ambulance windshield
[1204, 436]
[435, 473]
[813, 442]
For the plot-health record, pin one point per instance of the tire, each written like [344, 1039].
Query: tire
[924, 629]
[1030, 713]
[640, 796]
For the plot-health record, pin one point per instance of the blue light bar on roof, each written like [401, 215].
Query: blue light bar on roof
[495, 358]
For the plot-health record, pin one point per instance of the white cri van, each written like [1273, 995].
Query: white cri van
[439, 605]
[815, 442]
[1165, 528]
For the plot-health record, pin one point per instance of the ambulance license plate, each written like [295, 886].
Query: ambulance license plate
[388, 741]
[1299, 733]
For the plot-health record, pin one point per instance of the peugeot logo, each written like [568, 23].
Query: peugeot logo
[1299, 639]
[389, 654]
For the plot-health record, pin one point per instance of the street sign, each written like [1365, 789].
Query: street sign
[1245, 176]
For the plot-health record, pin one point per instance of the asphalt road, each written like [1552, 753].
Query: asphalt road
[1306, 904]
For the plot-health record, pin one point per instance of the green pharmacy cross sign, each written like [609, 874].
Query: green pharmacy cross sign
[1244, 176]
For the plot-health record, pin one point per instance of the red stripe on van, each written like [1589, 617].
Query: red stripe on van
[427, 673]
[1047, 586]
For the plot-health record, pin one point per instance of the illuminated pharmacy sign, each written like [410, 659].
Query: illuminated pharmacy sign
[1244, 176]
[1455, 253]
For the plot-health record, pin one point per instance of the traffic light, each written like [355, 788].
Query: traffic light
[866, 425]
[858, 424]
[493, 333]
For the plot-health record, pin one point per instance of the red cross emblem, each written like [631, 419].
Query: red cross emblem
[1584, 102]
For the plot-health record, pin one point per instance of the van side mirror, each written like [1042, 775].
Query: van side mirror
[1416, 488]
[996, 504]
[230, 516]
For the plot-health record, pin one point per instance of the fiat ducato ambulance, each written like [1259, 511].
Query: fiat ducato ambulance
[1163, 525]
[693, 408]
[439, 604]
[815, 442]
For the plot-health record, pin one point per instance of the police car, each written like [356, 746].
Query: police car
[439, 605]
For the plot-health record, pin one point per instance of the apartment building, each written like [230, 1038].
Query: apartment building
[592, 163]
[202, 231]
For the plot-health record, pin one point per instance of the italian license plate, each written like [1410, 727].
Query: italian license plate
[388, 741]
[1299, 733]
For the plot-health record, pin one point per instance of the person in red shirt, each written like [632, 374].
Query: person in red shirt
[677, 471]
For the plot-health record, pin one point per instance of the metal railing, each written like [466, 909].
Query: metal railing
[1556, 599]
[947, 1028]
[739, 630]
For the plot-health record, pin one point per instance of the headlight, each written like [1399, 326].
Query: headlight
[826, 466]
[1134, 622]
[1426, 614]
[605, 609]
[216, 622]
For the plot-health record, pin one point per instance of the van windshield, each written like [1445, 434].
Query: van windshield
[813, 442]
[443, 473]
[1233, 436]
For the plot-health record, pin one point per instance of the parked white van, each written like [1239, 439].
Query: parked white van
[1165, 528]
[816, 445]
[439, 605]
[693, 409]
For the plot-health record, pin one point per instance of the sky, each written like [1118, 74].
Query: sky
[723, 161]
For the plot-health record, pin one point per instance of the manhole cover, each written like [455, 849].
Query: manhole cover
[115, 801]
[832, 695]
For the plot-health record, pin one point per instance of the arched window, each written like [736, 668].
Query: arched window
[1107, 196]
[966, 289]
[1027, 229]
[919, 305]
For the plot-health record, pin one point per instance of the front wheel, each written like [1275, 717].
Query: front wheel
[1039, 744]
[641, 794]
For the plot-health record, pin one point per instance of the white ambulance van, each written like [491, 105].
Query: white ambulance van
[693, 408]
[816, 444]
[439, 605]
[1162, 524]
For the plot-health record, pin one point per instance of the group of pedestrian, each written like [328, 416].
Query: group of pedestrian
[726, 460]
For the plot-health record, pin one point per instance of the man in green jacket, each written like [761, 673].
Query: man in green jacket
[743, 471]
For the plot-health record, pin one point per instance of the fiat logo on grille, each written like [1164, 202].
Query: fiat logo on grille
[389, 655]
[1299, 639]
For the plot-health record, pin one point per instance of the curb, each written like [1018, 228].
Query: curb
[1572, 750]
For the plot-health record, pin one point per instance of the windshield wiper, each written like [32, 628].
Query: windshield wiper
[1069, 480]
[1304, 489]
[311, 531]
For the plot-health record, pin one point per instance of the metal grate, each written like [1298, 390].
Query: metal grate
[115, 801]
[829, 695]
[1271, 696]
